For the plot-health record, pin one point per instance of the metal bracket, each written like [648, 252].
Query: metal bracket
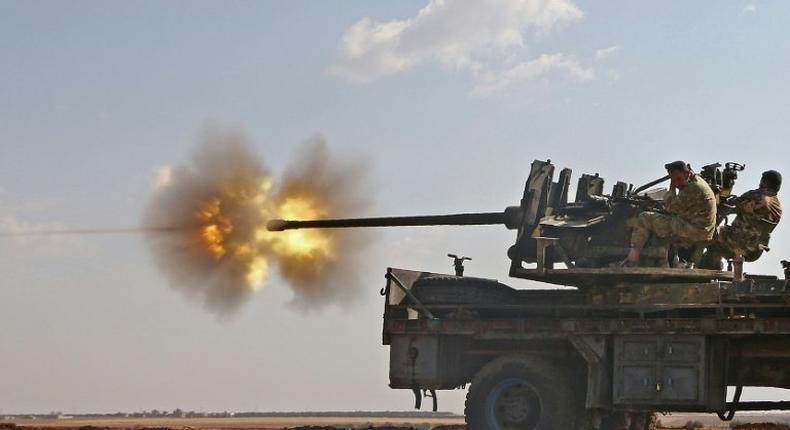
[417, 303]
[420, 393]
[417, 398]
[543, 244]
[432, 395]
[738, 267]
[732, 407]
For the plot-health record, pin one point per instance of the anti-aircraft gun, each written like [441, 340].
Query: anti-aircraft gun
[624, 343]
[589, 234]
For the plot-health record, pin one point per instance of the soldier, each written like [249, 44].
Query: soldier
[690, 213]
[757, 214]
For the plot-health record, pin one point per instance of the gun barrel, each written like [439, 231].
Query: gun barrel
[484, 218]
[650, 184]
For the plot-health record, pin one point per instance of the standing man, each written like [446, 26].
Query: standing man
[757, 214]
[691, 213]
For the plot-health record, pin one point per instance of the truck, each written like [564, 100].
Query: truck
[610, 351]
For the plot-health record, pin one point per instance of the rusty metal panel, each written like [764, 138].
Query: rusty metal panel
[681, 383]
[610, 276]
[661, 370]
[426, 361]
[635, 383]
[682, 350]
[552, 327]
[652, 294]
[595, 351]
[755, 288]
[413, 359]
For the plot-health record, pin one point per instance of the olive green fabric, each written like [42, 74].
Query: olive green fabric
[690, 217]
[757, 214]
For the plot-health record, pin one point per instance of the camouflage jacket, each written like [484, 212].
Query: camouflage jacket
[758, 212]
[695, 204]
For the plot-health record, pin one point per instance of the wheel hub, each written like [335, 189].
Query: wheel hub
[513, 404]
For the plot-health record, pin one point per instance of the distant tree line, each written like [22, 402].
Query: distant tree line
[180, 413]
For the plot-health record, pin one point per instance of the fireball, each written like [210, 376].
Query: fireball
[217, 249]
[248, 250]
[299, 244]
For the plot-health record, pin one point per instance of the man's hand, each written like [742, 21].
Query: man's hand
[728, 205]
[730, 200]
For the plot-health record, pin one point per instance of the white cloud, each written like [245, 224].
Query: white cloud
[495, 83]
[457, 33]
[607, 52]
[750, 8]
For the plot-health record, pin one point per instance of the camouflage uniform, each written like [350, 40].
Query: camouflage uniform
[758, 213]
[691, 217]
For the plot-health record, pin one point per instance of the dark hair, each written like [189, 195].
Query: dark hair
[681, 166]
[772, 179]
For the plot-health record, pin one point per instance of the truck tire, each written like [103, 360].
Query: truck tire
[454, 290]
[522, 393]
[645, 422]
[617, 421]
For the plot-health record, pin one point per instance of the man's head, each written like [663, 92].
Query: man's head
[771, 180]
[679, 173]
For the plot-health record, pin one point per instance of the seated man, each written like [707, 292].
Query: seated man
[691, 213]
[757, 214]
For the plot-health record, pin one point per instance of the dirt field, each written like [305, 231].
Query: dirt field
[290, 423]
[257, 423]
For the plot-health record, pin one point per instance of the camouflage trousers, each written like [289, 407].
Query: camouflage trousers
[730, 239]
[670, 228]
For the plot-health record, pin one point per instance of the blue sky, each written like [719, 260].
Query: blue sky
[97, 95]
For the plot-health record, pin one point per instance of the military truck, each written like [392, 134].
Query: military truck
[619, 346]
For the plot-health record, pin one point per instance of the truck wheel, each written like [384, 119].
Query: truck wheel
[521, 393]
[646, 422]
[617, 421]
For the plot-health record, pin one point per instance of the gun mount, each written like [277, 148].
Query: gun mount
[588, 236]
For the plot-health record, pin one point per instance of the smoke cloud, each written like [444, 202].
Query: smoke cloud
[340, 187]
[217, 251]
